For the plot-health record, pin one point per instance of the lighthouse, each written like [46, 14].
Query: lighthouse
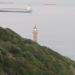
[35, 34]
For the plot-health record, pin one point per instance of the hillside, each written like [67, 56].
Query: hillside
[21, 56]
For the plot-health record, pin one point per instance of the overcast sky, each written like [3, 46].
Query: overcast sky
[56, 24]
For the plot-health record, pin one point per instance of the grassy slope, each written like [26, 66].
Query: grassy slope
[19, 56]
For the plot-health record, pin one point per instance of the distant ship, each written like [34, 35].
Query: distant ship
[15, 10]
[26, 9]
[47, 4]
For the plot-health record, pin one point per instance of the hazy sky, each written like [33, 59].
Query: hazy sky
[56, 24]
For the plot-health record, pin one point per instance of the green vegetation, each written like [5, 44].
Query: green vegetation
[20, 56]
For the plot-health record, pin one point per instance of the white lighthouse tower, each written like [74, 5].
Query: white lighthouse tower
[35, 34]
